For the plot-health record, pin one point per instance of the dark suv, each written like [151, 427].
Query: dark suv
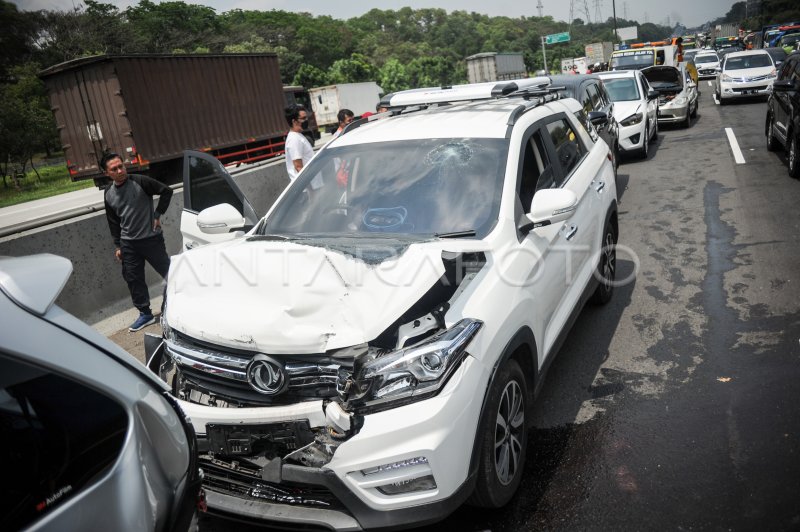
[590, 92]
[783, 112]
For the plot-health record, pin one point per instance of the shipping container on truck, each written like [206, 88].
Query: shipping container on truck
[358, 97]
[598, 52]
[150, 108]
[493, 66]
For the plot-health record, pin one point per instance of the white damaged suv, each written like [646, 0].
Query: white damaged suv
[367, 354]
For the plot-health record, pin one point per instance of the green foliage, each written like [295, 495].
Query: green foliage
[393, 77]
[356, 69]
[51, 181]
[311, 76]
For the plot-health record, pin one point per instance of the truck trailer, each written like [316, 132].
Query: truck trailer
[492, 66]
[358, 97]
[150, 108]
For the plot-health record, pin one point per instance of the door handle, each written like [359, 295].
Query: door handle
[600, 186]
[571, 231]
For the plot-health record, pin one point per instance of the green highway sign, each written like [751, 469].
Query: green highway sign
[556, 37]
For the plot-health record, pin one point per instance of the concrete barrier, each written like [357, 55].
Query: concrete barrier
[96, 288]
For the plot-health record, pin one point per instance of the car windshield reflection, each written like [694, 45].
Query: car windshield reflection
[409, 187]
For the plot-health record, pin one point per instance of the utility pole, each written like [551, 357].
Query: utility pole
[544, 54]
[614, 8]
[539, 7]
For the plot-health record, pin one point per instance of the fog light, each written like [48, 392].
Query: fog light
[635, 138]
[418, 460]
[408, 486]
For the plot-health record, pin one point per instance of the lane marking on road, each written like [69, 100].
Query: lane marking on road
[709, 83]
[737, 152]
[714, 96]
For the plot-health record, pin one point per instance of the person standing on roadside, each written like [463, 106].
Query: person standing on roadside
[136, 229]
[298, 149]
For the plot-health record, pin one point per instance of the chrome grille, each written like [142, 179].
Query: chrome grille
[221, 372]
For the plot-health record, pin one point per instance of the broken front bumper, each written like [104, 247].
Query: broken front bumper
[405, 466]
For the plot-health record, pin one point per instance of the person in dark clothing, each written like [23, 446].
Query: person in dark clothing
[136, 229]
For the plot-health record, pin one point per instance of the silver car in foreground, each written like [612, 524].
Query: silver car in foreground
[90, 439]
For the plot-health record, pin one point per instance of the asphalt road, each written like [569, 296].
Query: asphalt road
[675, 406]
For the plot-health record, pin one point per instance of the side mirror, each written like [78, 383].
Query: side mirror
[598, 118]
[222, 218]
[552, 205]
[652, 94]
[691, 84]
[783, 85]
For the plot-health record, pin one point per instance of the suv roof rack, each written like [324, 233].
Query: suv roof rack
[460, 93]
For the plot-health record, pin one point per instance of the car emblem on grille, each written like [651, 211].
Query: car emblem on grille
[266, 375]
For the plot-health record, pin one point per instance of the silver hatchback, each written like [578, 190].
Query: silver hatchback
[90, 439]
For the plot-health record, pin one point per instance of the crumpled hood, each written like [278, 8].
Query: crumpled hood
[623, 110]
[662, 74]
[283, 297]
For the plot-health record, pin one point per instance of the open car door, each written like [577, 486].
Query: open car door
[206, 183]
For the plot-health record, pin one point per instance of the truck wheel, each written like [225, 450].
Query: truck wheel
[503, 438]
[606, 267]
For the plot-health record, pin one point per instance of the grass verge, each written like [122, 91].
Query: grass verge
[54, 180]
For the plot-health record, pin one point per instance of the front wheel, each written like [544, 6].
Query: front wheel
[794, 164]
[646, 142]
[503, 438]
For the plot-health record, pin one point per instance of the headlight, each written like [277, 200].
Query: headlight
[680, 100]
[726, 78]
[632, 120]
[773, 74]
[409, 374]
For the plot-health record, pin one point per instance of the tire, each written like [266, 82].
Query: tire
[793, 155]
[721, 101]
[688, 120]
[696, 105]
[655, 130]
[772, 142]
[646, 143]
[606, 267]
[503, 438]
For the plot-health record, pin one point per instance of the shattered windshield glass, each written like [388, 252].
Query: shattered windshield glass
[410, 187]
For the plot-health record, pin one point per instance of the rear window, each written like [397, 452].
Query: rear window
[622, 89]
[748, 61]
[56, 437]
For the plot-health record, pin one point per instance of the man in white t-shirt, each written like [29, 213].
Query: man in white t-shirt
[298, 149]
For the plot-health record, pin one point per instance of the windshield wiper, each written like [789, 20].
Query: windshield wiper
[262, 238]
[456, 234]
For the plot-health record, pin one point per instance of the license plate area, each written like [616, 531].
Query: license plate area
[270, 439]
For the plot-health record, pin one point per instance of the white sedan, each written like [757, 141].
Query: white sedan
[635, 109]
[745, 75]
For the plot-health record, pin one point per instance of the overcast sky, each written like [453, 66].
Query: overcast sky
[688, 12]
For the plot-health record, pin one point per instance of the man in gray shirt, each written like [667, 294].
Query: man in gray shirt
[136, 230]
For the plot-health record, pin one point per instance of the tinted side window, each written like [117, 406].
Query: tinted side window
[567, 143]
[208, 186]
[537, 171]
[56, 436]
[591, 90]
[586, 100]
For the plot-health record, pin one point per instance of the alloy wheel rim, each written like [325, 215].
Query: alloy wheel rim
[508, 433]
[609, 261]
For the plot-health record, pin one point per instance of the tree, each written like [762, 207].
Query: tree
[165, 27]
[393, 76]
[311, 76]
[16, 39]
[26, 123]
[356, 69]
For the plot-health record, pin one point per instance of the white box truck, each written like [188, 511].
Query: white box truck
[358, 97]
